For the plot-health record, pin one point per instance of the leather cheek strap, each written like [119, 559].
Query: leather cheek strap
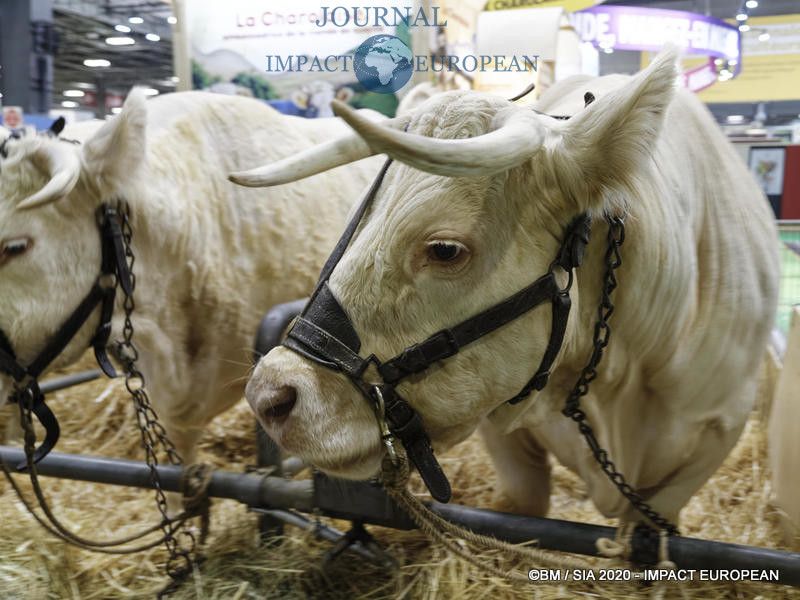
[405, 423]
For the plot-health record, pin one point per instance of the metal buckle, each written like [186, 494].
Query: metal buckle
[551, 270]
[386, 435]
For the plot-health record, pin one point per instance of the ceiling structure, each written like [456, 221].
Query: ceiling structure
[83, 28]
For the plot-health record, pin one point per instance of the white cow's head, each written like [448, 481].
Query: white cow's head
[50, 189]
[473, 210]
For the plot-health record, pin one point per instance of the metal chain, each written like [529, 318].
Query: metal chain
[25, 399]
[602, 333]
[181, 558]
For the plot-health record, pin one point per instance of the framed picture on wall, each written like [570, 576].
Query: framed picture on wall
[766, 165]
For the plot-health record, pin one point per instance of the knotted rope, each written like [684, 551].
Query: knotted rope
[620, 546]
[196, 502]
[458, 540]
[664, 562]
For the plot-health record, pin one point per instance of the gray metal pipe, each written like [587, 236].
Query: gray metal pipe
[580, 538]
[249, 488]
[366, 503]
[59, 383]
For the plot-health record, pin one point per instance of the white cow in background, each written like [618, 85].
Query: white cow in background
[211, 257]
[474, 210]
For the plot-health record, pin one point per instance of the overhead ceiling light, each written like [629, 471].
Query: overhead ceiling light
[82, 85]
[751, 3]
[172, 20]
[92, 35]
[97, 62]
[151, 92]
[122, 28]
[153, 37]
[763, 37]
[733, 62]
[120, 41]
[725, 72]
[116, 110]
[608, 50]
[73, 93]
[744, 27]
[741, 16]
[174, 79]
[69, 104]
[735, 118]
[135, 20]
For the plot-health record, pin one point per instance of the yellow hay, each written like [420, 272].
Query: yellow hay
[96, 418]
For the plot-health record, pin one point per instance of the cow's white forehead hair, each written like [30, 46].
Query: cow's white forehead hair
[455, 115]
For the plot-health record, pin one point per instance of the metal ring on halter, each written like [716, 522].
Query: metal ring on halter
[386, 435]
[107, 281]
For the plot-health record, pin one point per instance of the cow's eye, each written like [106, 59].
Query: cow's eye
[444, 251]
[14, 247]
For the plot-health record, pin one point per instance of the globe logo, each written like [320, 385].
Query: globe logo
[383, 64]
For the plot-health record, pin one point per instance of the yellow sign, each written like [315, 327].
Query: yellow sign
[770, 63]
[568, 5]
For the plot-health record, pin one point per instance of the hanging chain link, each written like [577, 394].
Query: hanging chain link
[602, 334]
[181, 558]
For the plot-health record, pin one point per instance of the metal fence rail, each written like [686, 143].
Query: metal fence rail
[789, 294]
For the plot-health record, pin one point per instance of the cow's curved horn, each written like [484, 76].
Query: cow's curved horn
[62, 165]
[304, 164]
[519, 137]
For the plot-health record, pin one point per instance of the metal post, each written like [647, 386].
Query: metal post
[27, 45]
[100, 98]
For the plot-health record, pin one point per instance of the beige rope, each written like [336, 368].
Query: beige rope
[394, 479]
[196, 501]
[620, 546]
[660, 586]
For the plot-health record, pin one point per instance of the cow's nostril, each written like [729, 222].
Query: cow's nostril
[282, 401]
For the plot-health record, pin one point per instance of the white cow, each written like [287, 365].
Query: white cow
[475, 209]
[211, 256]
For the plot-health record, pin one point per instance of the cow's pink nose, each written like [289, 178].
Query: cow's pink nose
[277, 403]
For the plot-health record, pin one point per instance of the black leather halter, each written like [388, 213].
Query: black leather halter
[113, 272]
[324, 333]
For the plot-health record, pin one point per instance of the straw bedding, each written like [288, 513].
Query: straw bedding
[96, 418]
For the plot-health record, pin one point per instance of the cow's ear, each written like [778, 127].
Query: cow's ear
[114, 153]
[604, 145]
